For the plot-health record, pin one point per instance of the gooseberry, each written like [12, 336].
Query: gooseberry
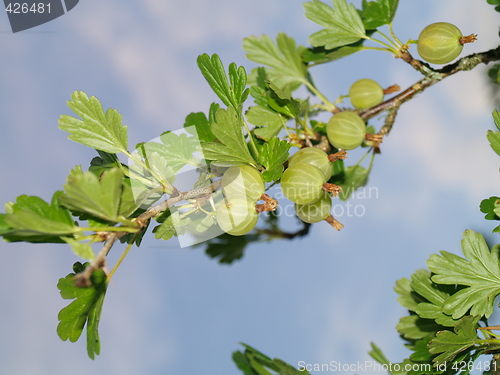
[346, 130]
[313, 156]
[302, 183]
[236, 215]
[366, 93]
[315, 212]
[243, 180]
[439, 43]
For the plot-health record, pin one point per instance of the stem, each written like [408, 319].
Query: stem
[122, 257]
[387, 46]
[394, 36]
[330, 106]
[251, 139]
[389, 39]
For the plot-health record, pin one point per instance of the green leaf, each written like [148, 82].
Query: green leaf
[436, 297]
[98, 197]
[31, 219]
[231, 93]
[243, 363]
[408, 297]
[227, 248]
[104, 162]
[356, 177]
[232, 148]
[166, 230]
[378, 13]
[85, 309]
[270, 123]
[377, 355]
[494, 73]
[83, 250]
[200, 123]
[342, 24]
[99, 130]
[272, 156]
[414, 327]
[284, 58]
[496, 118]
[488, 206]
[494, 139]
[449, 344]
[480, 272]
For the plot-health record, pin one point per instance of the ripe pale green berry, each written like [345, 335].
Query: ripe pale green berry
[313, 156]
[346, 130]
[302, 183]
[366, 93]
[315, 212]
[439, 43]
[243, 180]
[236, 215]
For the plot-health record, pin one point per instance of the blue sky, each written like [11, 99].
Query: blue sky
[170, 310]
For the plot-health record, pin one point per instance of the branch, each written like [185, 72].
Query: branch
[432, 76]
[82, 279]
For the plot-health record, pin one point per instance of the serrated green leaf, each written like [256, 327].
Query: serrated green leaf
[449, 344]
[356, 177]
[226, 248]
[31, 219]
[414, 327]
[269, 123]
[408, 298]
[272, 156]
[200, 123]
[421, 351]
[496, 118]
[104, 162]
[494, 139]
[436, 297]
[487, 207]
[231, 93]
[98, 197]
[377, 355]
[342, 24]
[284, 58]
[99, 130]
[243, 363]
[480, 272]
[85, 309]
[166, 230]
[378, 13]
[232, 148]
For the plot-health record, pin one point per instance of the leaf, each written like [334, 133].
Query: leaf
[31, 219]
[232, 148]
[449, 344]
[356, 177]
[378, 13]
[342, 24]
[231, 93]
[488, 206]
[85, 309]
[166, 230]
[226, 248]
[408, 297]
[99, 130]
[243, 363]
[377, 355]
[494, 139]
[480, 272]
[104, 162]
[284, 58]
[272, 156]
[100, 198]
[496, 118]
[270, 123]
[200, 123]
[414, 327]
[83, 250]
[435, 297]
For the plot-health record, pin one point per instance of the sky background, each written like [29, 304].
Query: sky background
[175, 311]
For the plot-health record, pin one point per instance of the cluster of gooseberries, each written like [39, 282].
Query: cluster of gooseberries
[304, 182]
